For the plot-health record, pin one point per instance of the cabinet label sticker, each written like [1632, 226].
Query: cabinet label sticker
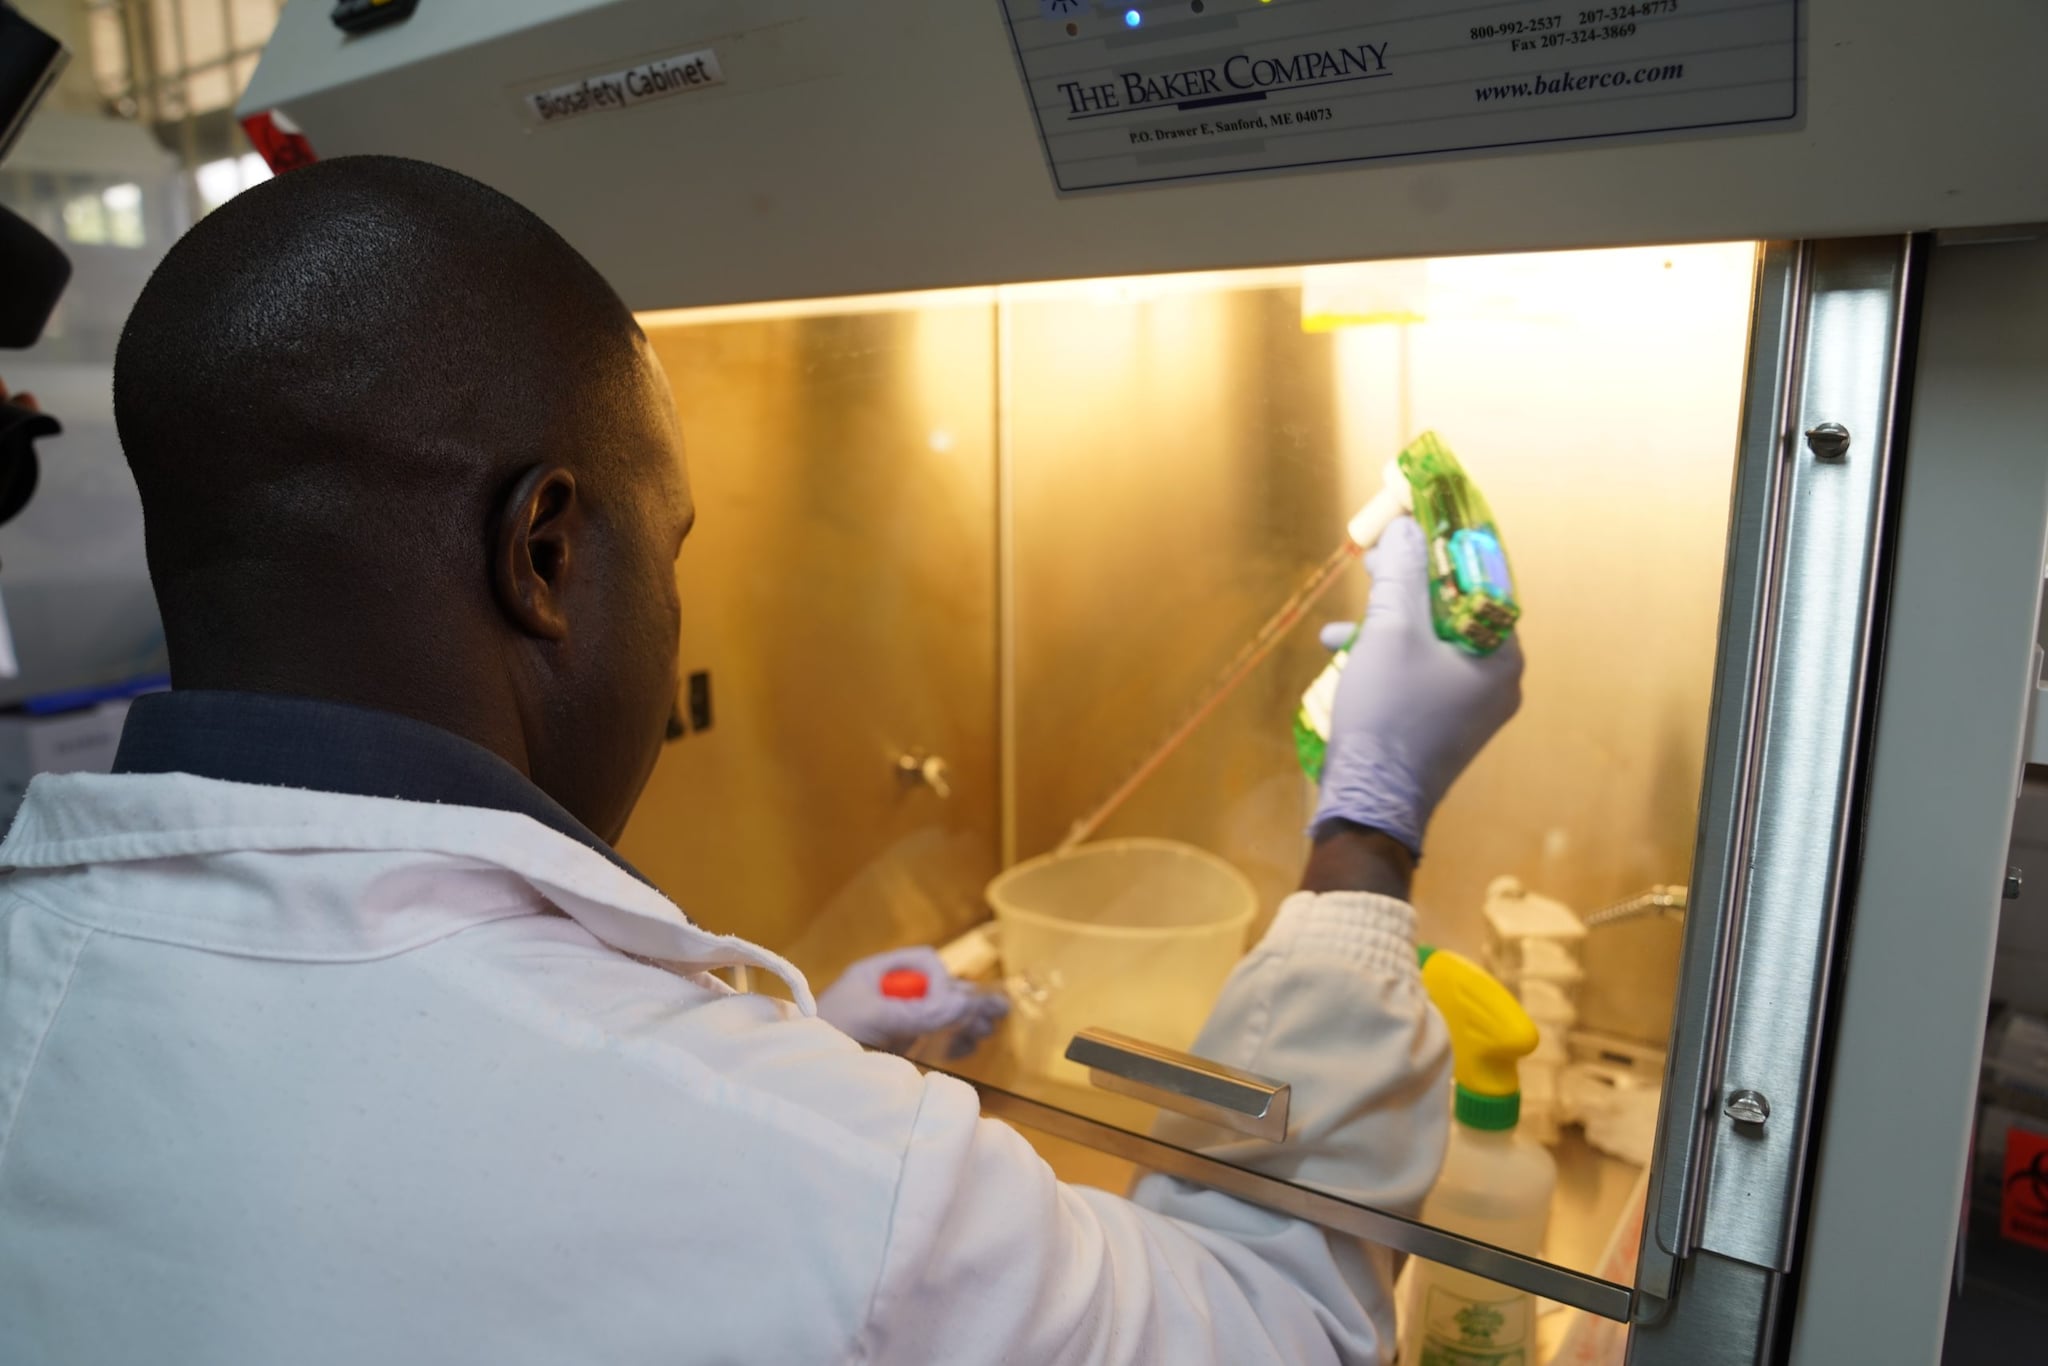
[1182, 89]
[658, 79]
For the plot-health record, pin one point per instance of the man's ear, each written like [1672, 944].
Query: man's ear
[539, 533]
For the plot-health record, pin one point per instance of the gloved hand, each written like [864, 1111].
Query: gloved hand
[1411, 710]
[857, 1006]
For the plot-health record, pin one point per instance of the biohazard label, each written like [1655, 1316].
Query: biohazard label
[2023, 1212]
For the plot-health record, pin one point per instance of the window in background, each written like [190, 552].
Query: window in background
[166, 60]
[85, 219]
[177, 67]
[106, 218]
[219, 181]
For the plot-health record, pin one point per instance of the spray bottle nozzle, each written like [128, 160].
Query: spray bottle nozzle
[1490, 1032]
[1396, 498]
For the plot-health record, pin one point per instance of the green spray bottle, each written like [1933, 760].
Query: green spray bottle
[1472, 601]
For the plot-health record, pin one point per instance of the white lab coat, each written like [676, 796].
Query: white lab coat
[290, 1077]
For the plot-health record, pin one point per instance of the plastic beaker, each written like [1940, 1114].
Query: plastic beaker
[1133, 935]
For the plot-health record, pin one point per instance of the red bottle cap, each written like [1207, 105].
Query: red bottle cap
[904, 984]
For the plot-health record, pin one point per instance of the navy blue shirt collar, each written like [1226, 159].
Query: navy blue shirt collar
[279, 741]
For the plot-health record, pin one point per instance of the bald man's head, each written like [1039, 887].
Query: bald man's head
[400, 445]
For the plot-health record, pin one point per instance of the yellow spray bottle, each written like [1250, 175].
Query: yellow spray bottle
[1495, 1185]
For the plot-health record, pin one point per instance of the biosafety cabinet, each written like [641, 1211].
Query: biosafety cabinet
[1032, 352]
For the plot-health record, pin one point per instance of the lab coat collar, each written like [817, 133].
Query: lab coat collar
[474, 859]
[286, 741]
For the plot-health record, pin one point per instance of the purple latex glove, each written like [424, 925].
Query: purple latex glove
[1411, 711]
[856, 1006]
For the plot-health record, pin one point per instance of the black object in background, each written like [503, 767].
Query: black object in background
[692, 709]
[19, 426]
[33, 271]
[360, 16]
[29, 62]
[700, 700]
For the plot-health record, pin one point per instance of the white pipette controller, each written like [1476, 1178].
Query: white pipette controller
[1395, 499]
[1361, 534]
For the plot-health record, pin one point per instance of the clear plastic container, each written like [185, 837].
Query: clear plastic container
[1133, 935]
[1496, 1187]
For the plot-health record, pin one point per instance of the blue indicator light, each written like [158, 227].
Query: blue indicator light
[1132, 18]
[1480, 564]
